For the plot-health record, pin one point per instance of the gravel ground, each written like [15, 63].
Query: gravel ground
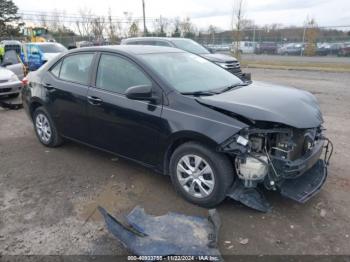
[48, 197]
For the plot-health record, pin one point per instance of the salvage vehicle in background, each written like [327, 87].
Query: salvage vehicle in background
[37, 54]
[266, 48]
[229, 63]
[10, 85]
[345, 50]
[183, 116]
[13, 62]
[291, 49]
[7, 45]
[245, 47]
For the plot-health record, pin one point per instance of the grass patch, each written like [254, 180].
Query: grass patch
[287, 65]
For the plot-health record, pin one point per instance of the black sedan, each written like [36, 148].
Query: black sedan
[182, 116]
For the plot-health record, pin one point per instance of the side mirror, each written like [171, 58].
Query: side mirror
[140, 92]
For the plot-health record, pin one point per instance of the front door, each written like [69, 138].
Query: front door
[127, 127]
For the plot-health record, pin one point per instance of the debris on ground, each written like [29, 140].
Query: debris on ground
[323, 212]
[243, 241]
[169, 234]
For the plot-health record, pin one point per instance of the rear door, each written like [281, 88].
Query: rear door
[66, 86]
[127, 127]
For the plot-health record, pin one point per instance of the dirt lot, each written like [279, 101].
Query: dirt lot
[48, 196]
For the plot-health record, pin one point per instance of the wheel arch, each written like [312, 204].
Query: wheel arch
[180, 138]
[34, 104]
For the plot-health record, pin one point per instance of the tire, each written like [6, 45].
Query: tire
[221, 177]
[48, 134]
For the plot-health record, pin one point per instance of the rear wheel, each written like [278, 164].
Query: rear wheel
[201, 175]
[45, 128]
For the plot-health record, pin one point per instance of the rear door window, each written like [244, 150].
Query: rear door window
[76, 68]
[56, 69]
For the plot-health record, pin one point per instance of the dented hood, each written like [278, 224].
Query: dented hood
[266, 102]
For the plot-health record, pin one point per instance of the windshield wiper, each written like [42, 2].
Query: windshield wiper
[199, 93]
[228, 88]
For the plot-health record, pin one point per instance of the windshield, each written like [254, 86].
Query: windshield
[190, 46]
[52, 48]
[188, 73]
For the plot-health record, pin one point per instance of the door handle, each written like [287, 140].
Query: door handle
[93, 100]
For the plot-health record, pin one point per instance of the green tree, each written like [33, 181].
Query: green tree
[9, 18]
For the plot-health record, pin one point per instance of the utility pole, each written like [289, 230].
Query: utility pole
[303, 45]
[144, 18]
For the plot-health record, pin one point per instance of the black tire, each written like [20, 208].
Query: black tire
[220, 164]
[55, 139]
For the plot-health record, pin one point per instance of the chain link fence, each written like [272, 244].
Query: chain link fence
[283, 41]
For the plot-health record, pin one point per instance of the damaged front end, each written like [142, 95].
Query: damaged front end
[280, 158]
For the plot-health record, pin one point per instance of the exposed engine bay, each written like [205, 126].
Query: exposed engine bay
[272, 158]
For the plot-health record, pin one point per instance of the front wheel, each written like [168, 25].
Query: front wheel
[201, 175]
[45, 128]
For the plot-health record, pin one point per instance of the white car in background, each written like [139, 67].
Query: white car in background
[245, 47]
[10, 85]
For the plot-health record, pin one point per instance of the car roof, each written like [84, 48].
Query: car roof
[10, 42]
[42, 43]
[132, 49]
[155, 38]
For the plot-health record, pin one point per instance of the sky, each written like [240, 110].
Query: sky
[206, 12]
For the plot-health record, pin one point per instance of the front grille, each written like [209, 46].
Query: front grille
[3, 81]
[234, 68]
[5, 90]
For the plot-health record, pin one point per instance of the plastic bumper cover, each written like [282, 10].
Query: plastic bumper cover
[306, 186]
[296, 168]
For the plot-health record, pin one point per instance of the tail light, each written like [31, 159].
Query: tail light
[25, 81]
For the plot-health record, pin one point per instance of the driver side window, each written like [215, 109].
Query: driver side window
[117, 74]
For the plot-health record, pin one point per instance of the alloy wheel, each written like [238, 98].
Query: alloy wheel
[43, 128]
[195, 176]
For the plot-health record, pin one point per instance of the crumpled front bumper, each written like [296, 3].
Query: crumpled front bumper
[299, 180]
[306, 186]
[304, 177]
[296, 168]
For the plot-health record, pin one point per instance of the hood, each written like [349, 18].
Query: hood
[49, 56]
[5, 74]
[219, 58]
[266, 102]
